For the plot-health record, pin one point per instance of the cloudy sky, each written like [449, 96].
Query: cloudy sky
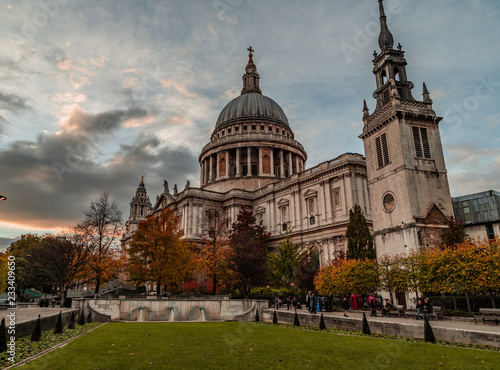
[95, 94]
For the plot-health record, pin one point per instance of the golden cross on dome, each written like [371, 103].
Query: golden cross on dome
[250, 55]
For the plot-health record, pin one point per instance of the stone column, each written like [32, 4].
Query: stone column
[290, 164]
[238, 162]
[261, 171]
[272, 161]
[249, 161]
[217, 166]
[210, 170]
[328, 201]
[282, 165]
[228, 167]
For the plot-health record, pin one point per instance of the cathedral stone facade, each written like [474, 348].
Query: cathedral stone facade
[254, 161]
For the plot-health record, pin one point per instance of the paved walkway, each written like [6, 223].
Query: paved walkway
[445, 324]
[28, 314]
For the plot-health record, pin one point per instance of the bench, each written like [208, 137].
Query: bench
[437, 313]
[397, 311]
[487, 314]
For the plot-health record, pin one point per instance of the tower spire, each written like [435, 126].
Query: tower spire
[251, 77]
[385, 39]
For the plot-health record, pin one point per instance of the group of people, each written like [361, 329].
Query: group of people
[424, 308]
[291, 302]
[311, 302]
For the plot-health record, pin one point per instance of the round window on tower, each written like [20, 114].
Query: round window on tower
[389, 202]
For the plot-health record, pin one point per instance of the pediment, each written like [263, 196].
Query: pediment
[435, 216]
[260, 210]
[310, 194]
[283, 203]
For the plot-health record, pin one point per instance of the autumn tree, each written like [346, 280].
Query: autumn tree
[59, 262]
[455, 234]
[284, 264]
[4, 269]
[359, 239]
[158, 253]
[99, 232]
[342, 277]
[214, 254]
[249, 247]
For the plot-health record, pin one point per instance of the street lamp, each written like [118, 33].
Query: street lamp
[2, 197]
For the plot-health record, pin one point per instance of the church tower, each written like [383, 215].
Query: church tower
[407, 178]
[139, 208]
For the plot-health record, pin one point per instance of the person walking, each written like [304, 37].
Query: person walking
[428, 309]
[314, 302]
[420, 309]
[294, 303]
[373, 306]
[288, 302]
[345, 306]
[308, 301]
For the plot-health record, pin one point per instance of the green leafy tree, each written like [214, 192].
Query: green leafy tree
[284, 265]
[359, 239]
[249, 252]
[21, 249]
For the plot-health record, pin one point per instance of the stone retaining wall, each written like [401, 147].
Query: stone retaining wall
[411, 329]
[48, 322]
[171, 310]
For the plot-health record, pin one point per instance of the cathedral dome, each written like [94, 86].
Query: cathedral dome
[251, 106]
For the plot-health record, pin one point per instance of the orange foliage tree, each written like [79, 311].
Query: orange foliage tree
[99, 232]
[159, 253]
[343, 277]
[214, 259]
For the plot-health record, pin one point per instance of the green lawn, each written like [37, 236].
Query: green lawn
[240, 345]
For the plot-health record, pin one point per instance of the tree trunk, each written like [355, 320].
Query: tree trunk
[214, 285]
[468, 301]
[97, 284]
[455, 302]
[158, 288]
[63, 298]
[492, 300]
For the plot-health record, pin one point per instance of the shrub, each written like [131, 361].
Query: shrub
[37, 331]
[428, 333]
[3, 337]
[59, 325]
[322, 325]
[81, 321]
[275, 318]
[366, 327]
[71, 324]
[296, 321]
[257, 318]
[89, 317]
